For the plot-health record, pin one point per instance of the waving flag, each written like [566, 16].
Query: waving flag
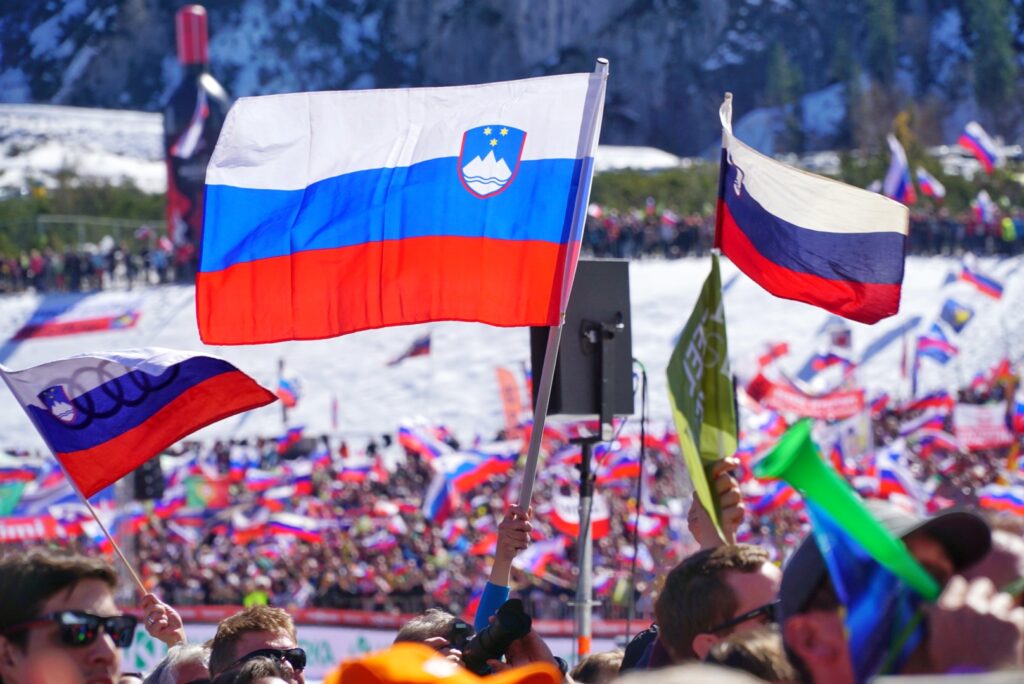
[701, 391]
[103, 415]
[881, 627]
[981, 282]
[956, 314]
[809, 238]
[897, 183]
[984, 208]
[929, 184]
[935, 345]
[288, 391]
[419, 347]
[565, 515]
[332, 212]
[976, 140]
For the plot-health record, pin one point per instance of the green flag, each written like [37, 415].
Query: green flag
[10, 495]
[700, 390]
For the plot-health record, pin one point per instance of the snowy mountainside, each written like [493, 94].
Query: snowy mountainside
[670, 59]
[456, 384]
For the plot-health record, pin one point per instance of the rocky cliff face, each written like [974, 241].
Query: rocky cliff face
[671, 60]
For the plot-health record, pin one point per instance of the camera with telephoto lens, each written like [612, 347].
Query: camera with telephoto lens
[510, 623]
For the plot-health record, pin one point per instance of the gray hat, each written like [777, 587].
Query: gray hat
[964, 535]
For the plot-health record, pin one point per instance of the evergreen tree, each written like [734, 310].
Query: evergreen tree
[995, 70]
[881, 39]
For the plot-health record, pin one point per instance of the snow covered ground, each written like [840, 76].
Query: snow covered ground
[456, 383]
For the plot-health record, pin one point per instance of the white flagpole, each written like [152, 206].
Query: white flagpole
[587, 145]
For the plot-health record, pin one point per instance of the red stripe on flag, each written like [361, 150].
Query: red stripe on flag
[864, 302]
[330, 292]
[221, 396]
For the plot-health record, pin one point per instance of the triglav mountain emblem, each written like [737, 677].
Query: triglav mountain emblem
[59, 403]
[489, 158]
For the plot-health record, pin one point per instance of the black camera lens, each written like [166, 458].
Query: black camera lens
[510, 623]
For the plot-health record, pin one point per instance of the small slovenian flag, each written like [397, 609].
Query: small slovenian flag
[984, 208]
[897, 183]
[103, 415]
[936, 345]
[809, 238]
[419, 347]
[984, 284]
[977, 141]
[929, 184]
[288, 392]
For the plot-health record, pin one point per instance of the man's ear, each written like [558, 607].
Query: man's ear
[10, 656]
[702, 643]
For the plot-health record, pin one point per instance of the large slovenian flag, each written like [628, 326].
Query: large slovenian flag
[332, 212]
[977, 141]
[103, 415]
[898, 184]
[809, 238]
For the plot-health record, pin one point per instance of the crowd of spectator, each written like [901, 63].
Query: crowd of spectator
[630, 234]
[92, 268]
[637, 233]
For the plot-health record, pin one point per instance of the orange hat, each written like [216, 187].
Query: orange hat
[409, 663]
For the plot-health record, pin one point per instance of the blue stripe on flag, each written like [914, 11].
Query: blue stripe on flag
[852, 257]
[423, 200]
[121, 404]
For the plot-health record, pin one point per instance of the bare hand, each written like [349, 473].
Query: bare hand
[161, 621]
[730, 503]
[530, 649]
[513, 533]
[973, 625]
[440, 644]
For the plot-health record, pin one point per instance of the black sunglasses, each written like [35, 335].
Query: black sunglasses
[78, 628]
[769, 609]
[296, 657]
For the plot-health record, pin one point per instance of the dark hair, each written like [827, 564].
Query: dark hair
[28, 580]
[231, 629]
[696, 595]
[756, 651]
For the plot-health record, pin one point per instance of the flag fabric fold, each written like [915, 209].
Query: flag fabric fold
[701, 390]
[978, 143]
[809, 238]
[929, 184]
[103, 415]
[898, 184]
[332, 212]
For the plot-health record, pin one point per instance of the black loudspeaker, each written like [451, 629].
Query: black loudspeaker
[149, 480]
[600, 295]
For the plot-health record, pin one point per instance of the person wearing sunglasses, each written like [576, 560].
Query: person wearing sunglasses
[712, 594]
[257, 632]
[59, 621]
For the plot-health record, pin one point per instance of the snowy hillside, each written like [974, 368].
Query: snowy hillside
[37, 142]
[456, 383]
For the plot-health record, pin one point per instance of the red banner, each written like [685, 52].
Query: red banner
[981, 426]
[511, 400]
[785, 399]
[37, 528]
